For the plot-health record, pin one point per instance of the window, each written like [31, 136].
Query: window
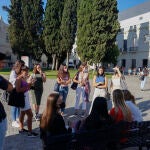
[133, 63]
[135, 42]
[125, 45]
[123, 63]
[7, 39]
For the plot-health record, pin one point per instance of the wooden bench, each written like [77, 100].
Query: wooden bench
[137, 135]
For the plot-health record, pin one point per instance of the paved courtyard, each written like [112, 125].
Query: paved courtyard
[14, 141]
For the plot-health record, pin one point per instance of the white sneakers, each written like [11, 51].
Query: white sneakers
[15, 124]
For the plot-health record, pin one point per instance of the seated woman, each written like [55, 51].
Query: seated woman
[120, 111]
[130, 102]
[98, 118]
[52, 122]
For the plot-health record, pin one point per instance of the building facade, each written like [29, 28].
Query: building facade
[133, 40]
[5, 45]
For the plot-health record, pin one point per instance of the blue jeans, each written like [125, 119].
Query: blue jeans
[63, 91]
[3, 128]
[15, 112]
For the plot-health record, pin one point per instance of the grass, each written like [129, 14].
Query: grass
[51, 74]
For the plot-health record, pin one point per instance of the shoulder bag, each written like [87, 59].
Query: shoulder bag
[16, 99]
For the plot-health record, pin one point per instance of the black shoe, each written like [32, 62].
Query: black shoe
[23, 131]
[32, 134]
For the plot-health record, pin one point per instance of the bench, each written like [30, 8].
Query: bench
[136, 135]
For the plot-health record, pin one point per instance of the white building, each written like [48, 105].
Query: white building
[132, 39]
[5, 45]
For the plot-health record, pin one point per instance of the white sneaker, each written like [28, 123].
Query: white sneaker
[15, 124]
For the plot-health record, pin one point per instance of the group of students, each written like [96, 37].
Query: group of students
[83, 88]
[23, 82]
[124, 109]
[52, 121]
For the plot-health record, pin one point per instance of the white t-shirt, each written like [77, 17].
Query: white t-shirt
[136, 113]
[12, 77]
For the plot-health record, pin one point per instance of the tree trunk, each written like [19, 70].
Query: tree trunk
[67, 60]
[57, 63]
[54, 60]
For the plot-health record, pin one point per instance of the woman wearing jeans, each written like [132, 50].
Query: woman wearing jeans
[15, 111]
[63, 78]
[81, 80]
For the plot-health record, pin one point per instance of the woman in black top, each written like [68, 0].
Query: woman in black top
[98, 118]
[52, 122]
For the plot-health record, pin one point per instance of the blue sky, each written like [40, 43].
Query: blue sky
[122, 5]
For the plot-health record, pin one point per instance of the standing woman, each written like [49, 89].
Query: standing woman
[63, 79]
[143, 77]
[100, 82]
[23, 86]
[117, 81]
[81, 80]
[38, 77]
[15, 111]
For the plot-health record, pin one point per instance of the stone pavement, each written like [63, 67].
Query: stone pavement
[14, 141]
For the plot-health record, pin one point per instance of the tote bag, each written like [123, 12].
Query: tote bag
[16, 99]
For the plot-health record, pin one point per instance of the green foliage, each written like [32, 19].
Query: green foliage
[25, 30]
[111, 55]
[52, 23]
[97, 29]
[68, 25]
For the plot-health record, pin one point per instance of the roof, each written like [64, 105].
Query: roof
[135, 11]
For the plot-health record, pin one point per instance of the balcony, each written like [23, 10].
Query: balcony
[133, 49]
[122, 50]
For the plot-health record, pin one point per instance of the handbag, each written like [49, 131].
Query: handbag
[141, 77]
[16, 99]
[4, 96]
[56, 87]
[74, 85]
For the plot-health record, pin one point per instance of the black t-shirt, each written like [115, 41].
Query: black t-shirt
[3, 86]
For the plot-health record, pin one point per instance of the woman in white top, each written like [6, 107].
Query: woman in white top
[118, 80]
[15, 111]
[130, 102]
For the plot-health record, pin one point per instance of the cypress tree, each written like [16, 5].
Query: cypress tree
[68, 27]
[25, 30]
[32, 21]
[16, 27]
[52, 23]
[84, 30]
[97, 29]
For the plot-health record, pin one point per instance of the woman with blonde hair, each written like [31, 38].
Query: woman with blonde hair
[130, 102]
[120, 111]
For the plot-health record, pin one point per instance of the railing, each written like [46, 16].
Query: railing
[133, 49]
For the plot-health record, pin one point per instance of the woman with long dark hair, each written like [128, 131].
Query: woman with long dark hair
[52, 122]
[23, 86]
[39, 78]
[100, 82]
[98, 117]
[63, 78]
